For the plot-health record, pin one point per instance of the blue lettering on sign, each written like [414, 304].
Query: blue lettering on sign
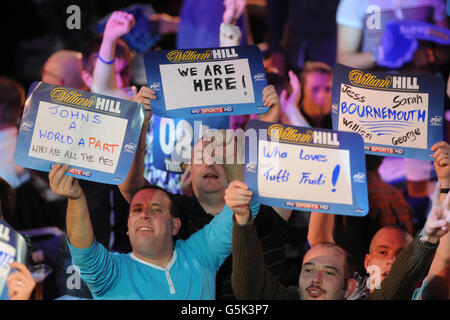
[75, 115]
[281, 176]
[55, 136]
[5, 260]
[335, 176]
[384, 113]
[307, 179]
[314, 157]
[274, 154]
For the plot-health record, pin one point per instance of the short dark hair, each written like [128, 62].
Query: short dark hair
[7, 201]
[12, 99]
[90, 52]
[173, 200]
[399, 227]
[349, 262]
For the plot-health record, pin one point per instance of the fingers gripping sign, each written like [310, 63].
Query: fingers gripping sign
[62, 184]
[20, 283]
[271, 100]
[441, 152]
[238, 198]
[144, 96]
[119, 24]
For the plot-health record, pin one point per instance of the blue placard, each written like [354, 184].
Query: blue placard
[307, 169]
[399, 115]
[173, 140]
[95, 134]
[12, 248]
[400, 41]
[205, 82]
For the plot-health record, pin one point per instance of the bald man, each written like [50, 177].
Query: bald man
[63, 68]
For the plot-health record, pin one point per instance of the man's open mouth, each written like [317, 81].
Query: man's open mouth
[145, 229]
[315, 292]
[210, 175]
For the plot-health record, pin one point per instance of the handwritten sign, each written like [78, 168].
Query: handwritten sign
[307, 169]
[397, 115]
[174, 139]
[204, 82]
[95, 134]
[12, 248]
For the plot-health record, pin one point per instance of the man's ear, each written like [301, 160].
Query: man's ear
[351, 286]
[176, 224]
[366, 261]
[87, 78]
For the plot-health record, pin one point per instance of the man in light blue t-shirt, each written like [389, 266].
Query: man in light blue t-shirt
[158, 267]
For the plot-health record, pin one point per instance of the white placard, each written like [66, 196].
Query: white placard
[78, 137]
[202, 84]
[286, 171]
[393, 118]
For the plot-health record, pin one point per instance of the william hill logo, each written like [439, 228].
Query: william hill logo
[175, 56]
[63, 95]
[368, 80]
[359, 78]
[279, 132]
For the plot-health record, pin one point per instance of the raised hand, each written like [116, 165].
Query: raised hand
[442, 162]
[438, 220]
[62, 184]
[289, 103]
[238, 198]
[294, 98]
[271, 100]
[118, 24]
[233, 10]
[144, 96]
[20, 282]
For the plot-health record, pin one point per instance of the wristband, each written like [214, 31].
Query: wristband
[445, 190]
[104, 61]
[425, 239]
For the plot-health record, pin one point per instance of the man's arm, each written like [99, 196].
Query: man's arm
[79, 227]
[320, 228]
[438, 278]
[135, 179]
[414, 260]
[230, 34]
[104, 77]
[348, 43]
[250, 279]
[216, 235]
